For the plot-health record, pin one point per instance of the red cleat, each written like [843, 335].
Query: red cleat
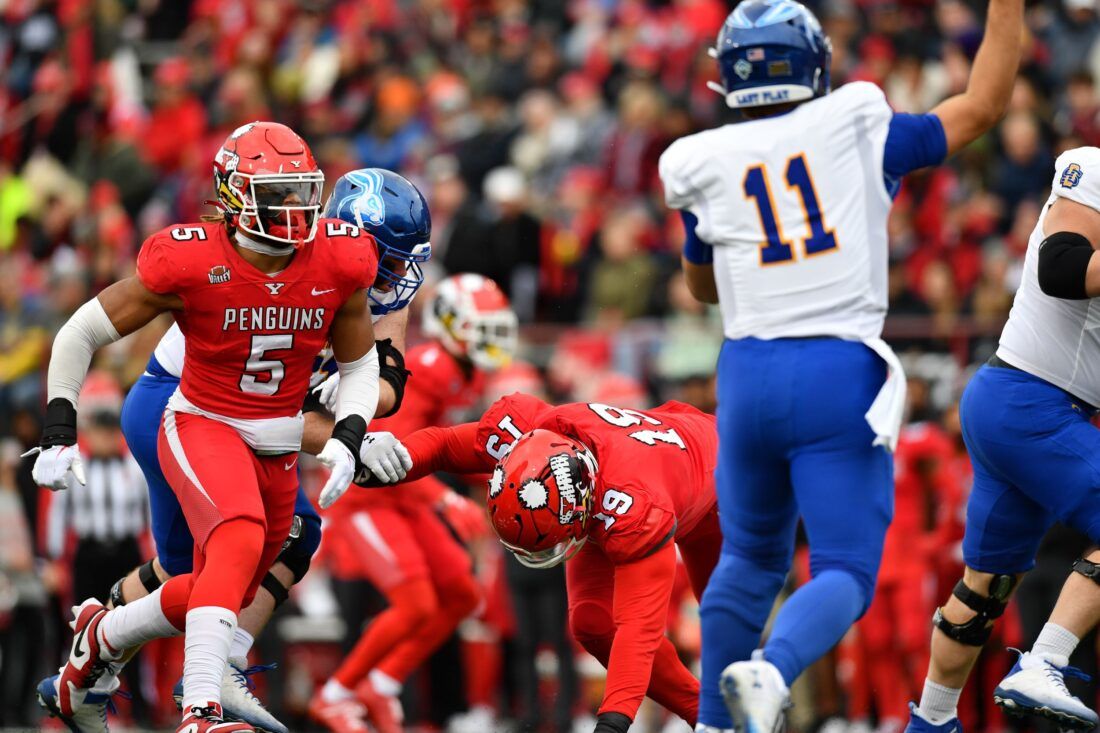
[208, 719]
[87, 659]
[383, 712]
[345, 716]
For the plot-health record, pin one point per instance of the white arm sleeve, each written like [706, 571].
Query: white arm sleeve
[358, 390]
[80, 337]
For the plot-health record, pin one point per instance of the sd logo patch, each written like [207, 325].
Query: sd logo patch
[1071, 176]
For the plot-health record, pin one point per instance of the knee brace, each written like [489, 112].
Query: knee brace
[1087, 568]
[976, 631]
[146, 574]
[300, 546]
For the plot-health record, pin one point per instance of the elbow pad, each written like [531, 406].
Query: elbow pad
[1063, 265]
[391, 368]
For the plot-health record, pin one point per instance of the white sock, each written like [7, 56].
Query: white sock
[136, 623]
[206, 649]
[938, 704]
[1055, 641]
[333, 691]
[242, 643]
[384, 684]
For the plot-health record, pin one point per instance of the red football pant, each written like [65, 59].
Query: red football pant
[238, 506]
[590, 582]
[410, 555]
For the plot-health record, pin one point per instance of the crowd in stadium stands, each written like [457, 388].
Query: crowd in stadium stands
[534, 127]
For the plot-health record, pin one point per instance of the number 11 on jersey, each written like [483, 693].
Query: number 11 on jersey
[776, 249]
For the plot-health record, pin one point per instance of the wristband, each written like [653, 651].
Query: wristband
[350, 431]
[60, 427]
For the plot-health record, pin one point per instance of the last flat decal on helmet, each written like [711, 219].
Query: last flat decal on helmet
[540, 497]
[395, 213]
[771, 52]
[267, 183]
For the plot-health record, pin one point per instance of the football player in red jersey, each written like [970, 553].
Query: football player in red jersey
[618, 491]
[257, 294]
[401, 539]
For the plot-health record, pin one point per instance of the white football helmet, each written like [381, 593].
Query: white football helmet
[472, 318]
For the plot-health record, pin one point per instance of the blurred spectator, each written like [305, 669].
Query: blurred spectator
[623, 277]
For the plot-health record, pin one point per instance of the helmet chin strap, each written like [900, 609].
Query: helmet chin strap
[261, 248]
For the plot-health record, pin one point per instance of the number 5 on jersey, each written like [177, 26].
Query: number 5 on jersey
[776, 248]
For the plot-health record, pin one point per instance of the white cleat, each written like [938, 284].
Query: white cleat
[700, 728]
[239, 703]
[1036, 685]
[756, 695]
[477, 719]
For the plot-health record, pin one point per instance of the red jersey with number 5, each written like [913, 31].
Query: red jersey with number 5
[252, 337]
[656, 467]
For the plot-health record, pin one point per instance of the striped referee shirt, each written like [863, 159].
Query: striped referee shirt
[113, 506]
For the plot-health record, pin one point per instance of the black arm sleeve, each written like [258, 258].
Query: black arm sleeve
[1063, 264]
[391, 368]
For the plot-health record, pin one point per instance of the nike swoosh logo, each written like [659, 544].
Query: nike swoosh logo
[81, 650]
[290, 465]
[315, 291]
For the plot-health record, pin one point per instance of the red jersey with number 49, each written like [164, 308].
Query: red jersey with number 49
[656, 467]
[252, 337]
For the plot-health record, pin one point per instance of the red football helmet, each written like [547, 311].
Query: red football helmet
[472, 318]
[539, 498]
[268, 183]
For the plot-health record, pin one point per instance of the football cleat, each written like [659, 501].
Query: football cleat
[208, 719]
[90, 717]
[383, 712]
[239, 703]
[475, 720]
[87, 660]
[1036, 685]
[343, 716]
[756, 695]
[917, 724]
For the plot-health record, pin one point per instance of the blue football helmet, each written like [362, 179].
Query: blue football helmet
[394, 211]
[771, 52]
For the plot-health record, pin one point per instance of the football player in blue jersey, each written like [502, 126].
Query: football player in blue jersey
[391, 209]
[786, 219]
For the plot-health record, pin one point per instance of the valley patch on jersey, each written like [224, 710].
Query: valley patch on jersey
[251, 338]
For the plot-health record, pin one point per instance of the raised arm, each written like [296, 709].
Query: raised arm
[969, 115]
[119, 310]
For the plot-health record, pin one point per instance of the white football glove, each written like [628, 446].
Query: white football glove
[384, 456]
[54, 463]
[326, 391]
[341, 463]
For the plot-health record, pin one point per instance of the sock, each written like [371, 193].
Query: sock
[384, 684]
[938, 704]
[1055, 640]
[136, 623]
[812, 621]
[242, 643]
[206, 650]
[333, 691]
[732, 614]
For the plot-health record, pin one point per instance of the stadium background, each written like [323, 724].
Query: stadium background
[534, 128]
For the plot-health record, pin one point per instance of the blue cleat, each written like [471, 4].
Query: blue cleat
[1036, 685]
[89, 717]
[917, 724]
[238, 701]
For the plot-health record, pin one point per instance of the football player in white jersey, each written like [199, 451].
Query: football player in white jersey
[1026, 422]
[785, 213]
